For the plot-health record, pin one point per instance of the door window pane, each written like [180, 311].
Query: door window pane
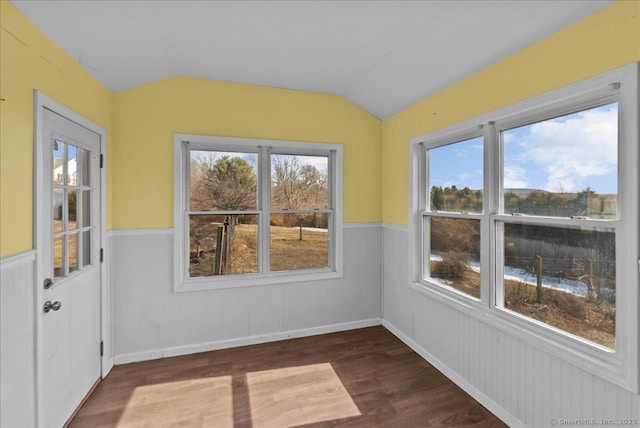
[299, 241]
[223, 244]
[455, 253]
[72, 165]
[58, 162]
[455, 176]
[73, 252]
[223, 181]
[299, 182]
[86, 248]
[58, 257]
[84, 167]
[57, 198]
[563, 277]
[72, 207]
[86, 208]
[565, 166]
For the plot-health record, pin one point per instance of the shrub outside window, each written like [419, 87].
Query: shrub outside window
[253, 211]
[452, 222]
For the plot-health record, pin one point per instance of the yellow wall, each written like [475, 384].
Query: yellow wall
[29, 60]
[146, 117]
[143, 119]
[601, 42]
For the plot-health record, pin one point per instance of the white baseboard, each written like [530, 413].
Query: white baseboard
[108, 365]
[243, 341]
[474, 392]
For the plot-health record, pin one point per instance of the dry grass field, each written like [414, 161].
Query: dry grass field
[288, 252]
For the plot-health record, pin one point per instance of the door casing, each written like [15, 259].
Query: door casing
[41, 102]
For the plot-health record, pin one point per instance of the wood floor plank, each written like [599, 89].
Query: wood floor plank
[358, 378]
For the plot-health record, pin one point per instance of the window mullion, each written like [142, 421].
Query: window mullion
[331, 204]
[423, 201]
[186, 209]
[453, 214]
[602, 225]
[426, 246]
[491, 287]
[79, 223]
[424, 194]
[264, 206]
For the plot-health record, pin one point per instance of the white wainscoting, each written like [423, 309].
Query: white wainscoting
[520, 383]
[151, 321]
[17, 341]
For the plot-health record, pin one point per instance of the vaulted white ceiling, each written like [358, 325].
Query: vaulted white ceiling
[382, 55]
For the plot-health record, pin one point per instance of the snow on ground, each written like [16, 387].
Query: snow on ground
[313, 229]
[518, 274]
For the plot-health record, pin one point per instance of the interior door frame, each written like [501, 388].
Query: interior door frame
[41, 101]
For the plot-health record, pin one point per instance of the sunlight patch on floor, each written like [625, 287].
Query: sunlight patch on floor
[151, 405]
[294, 396]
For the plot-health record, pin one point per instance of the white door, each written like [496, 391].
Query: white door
[70, 224]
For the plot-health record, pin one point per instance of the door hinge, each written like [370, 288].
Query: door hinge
[101, 349]
[101, 160]
[101, 254]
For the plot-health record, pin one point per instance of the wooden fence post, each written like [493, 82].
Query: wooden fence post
[591, 292]
[227, 245]
[538, 279]
[218, 258]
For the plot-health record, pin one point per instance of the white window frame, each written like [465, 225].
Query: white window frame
[457, 136]
[183, 143]
[619, 366]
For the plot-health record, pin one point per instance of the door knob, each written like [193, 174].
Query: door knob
[48, 306]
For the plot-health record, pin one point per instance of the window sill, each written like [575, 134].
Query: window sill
[593, 358]
[254, 280]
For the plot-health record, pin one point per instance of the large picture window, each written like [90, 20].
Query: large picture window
[530, 215]
[254, 211]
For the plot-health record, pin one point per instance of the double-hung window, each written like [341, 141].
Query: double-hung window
[254, 212]
[452, 214]
[528, 216]
[557, 218]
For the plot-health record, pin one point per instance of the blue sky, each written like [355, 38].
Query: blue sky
[564, 154]
[60, 151]
[458, 164]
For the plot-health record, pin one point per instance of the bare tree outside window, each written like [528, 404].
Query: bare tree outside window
[225, 183]
[224, 212]
[299, 186]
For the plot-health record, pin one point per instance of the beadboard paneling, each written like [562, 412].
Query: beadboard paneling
[151, 321]
[395, 276]
[17, 341]
[521, 383]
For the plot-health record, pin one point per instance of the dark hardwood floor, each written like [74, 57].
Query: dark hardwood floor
[357, 378]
